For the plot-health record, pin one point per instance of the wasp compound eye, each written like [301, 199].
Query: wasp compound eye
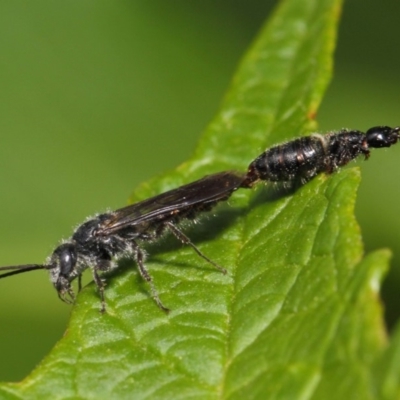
[67, 258]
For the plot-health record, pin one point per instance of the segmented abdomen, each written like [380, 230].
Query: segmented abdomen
[302, 159]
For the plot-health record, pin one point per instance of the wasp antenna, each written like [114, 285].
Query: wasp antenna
[19, 269]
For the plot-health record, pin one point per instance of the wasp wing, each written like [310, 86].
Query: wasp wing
[203, 192]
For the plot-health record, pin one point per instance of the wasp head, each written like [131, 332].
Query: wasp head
[382, 136]
[62, 271]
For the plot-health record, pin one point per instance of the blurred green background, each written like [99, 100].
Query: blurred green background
[99, 96]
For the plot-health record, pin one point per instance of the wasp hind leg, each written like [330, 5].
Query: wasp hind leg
[185, 240]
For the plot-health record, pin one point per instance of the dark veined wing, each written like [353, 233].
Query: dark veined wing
[208, 190]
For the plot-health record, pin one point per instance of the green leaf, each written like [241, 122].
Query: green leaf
[297, 315]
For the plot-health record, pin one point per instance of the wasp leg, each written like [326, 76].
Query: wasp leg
[139, 258]
[185, 240]
[100, 285]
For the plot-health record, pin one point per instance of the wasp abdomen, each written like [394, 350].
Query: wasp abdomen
[302, 159]
[288, 161]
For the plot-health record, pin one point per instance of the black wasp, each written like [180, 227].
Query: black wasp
[300, 160]
[99, 242]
